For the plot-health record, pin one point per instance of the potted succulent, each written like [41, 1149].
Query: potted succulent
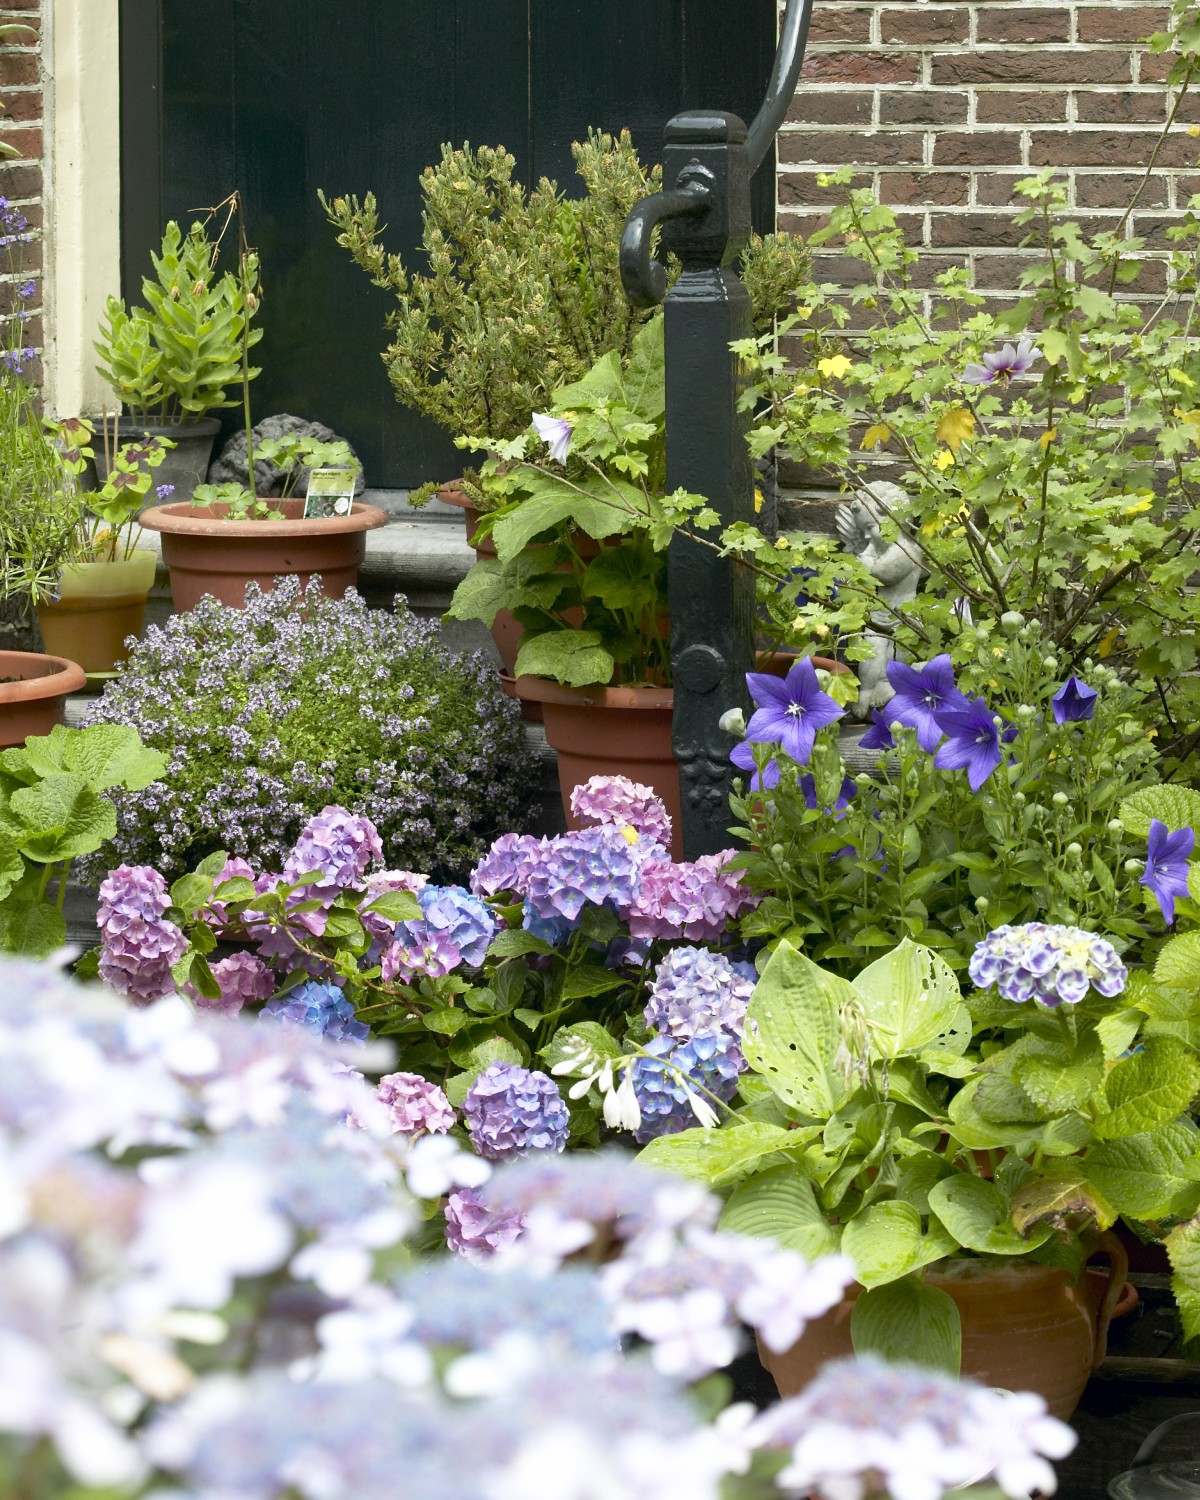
[171, 360]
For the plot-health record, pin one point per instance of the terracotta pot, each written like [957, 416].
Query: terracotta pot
[210, 555]
[610, 731]
[33, 702]
[780, 663]
[1025, 1327]
[184, 466]
[100, 604]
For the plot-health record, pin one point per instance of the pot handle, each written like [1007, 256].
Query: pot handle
[1118, 1270]
[1148, 1449]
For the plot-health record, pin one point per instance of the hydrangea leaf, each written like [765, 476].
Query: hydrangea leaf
[30, 925]
[792, 1032]
[1149, 1089]
[721, 1156]
[1178, 961]
[586, 981]
[1169, 1012]
[885, 1242]
[1145, 1176]
[191, 892]
[912, 1000]
[1060, 1194]
[63, 818]
[396, 906]
[1183, 1249]
[513, 942]
[446, 1020]
[1116, 1031]
[477, 1055]
[780, 1205]
[979, 1216]
[1057, 1084]
[1176, 806]
[576, 658]
[908, 1321]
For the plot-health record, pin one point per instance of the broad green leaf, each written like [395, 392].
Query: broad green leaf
[1059, 1194]
[589, 980]
[236, 888]
[576, 658]
[492, 1049]
[514, 942]
[780, 1204]
[446, 1020]
[885, 1242]
[792, 1033]
[645, 377]
[1061, 1136]
[191, 892]
[1178, 963]
[624, 578]
[1056, 1085]
[111, 755]
[909, 1322]
[1145, 1176]
[569, 1042]
[1183, 1249]
[395, 906]
[912, 1000]
[12, 866]
[1116, 1031]
[978, 1215]
[481, 593]
[30, 925]
[602, 385]
[1148, 1089]
[720, 1156]
[1176, 806]
[64, 818]
[203, 979]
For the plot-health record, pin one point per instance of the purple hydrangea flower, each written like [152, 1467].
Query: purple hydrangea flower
[137, 946]
[1166, 874]
[454, 913]
[511, 1111]
[790, 711]
[506, 865]
[320, 1008]
[616, 799]
[215, 914]
[696, 992]
[244, 979]
[431, 954]
[1049, 964]
[743, 757]
[920, 694]
[477, 1232]
[556, 433]
[1073, 701]
[341, 845]
[690, 899]
[670, 1076]
[1003, 365]
[589, 865]
[415, 1105]
[972, 741]
[878, 735]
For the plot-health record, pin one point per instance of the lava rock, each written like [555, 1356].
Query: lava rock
[230, 466]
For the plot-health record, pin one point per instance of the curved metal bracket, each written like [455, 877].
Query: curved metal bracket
[643, 277]
[793, 38]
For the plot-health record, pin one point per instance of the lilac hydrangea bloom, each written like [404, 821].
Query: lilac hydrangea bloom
[511, 1111]
[1166, 874]
[790, 711]
[455, 928]
[1073, 702]
[697, 992]
[590, 865]
[415, 1105]
[505, 867]
[475, 1231]
[1046, 963]
[1003, 365]
[920, 694]
[137, 946]
[972, 741]
[243, 978]
[429, 953]
[691, 899]
[765, 780]
[322, 1009]
[341, 844]
[617, 799]
[671, 1075]
[556, 433]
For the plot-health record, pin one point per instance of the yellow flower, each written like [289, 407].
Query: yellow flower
[758, 500]
[1109, 641]
[1048, 437]
[875, 435]
[835, 366]
[957, 426]
[781, 544]
[631, 834]
[804, 312]
[944, 460]
[1194, 130]
[1139, 506]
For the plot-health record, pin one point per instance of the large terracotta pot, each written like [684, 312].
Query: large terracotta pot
[210, 555]
[33, 693]
[1025, 1327]
[100, 604]
[610, 731]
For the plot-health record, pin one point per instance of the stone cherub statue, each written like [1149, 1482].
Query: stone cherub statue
[898, 567]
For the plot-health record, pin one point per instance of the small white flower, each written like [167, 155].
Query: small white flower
[555, 432]
[435, 1164]
[621, 1108]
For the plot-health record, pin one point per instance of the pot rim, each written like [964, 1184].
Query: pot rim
[542, 690]
[182, 518]
[63, 678]
[450, 494]
[203, 427]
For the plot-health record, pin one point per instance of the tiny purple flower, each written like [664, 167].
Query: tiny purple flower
[164, 491]
[1166, 874]
[1073, 701]
[556, 433]
[1003, 365]
[921, 693]
[972, 741]
[743, 757]
[791, 711]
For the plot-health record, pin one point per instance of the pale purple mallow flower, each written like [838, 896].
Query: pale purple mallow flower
[920, 694]
[414, 1105]
[972, 741]
[862, 1427]
[556, 433]
[137, 946]
[477, 1232]
[765, 780]
[790, 710]
[1003, 365]
[341, 845]
[319, 1008]
[675, 1083]
[1073, 702]
[244, 979]
[1046, 963]
[691, 899]
[696, 992]
[511, 1111]
[617, 799]
[1166, 874]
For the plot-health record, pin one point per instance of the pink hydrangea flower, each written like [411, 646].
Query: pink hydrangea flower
[138, 947]
[617, 799]
[415, 1104]
[243, 978]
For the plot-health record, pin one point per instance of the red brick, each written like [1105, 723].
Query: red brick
[27, 141]
[1151, 280]
[945, 188]
[18, 67]
[1021, 23]
[931, 266]
[826, 106]
[1012, 107]
[1053, 65]
[1153, 227]
[981, 148]
[20, 182]
[1002, 272]
[996, 189]
[830, 25]
[859, 67]
[1121, 107]
[834, 148]
[977, 231]
[1115, 189]
[1155, 69]
[26, 105]
[803, 190]
[924, 26]
[923, 107]
[1107, 148]
[1119, 23]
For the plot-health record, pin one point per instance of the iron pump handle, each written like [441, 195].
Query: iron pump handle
[793, 39]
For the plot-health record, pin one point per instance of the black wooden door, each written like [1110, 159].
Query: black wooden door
[282, 97]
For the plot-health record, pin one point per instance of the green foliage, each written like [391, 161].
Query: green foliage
[906, 1321]
[106, 526]
[292, 455]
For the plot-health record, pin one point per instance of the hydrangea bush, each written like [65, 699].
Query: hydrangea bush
[269, 713]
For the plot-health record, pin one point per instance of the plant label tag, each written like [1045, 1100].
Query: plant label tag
[330, 493]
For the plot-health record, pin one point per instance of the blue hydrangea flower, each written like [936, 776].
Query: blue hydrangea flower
[1048, 964]
[452, 912]
[597, 866]
[670, 1074]
[696, 992]
[317, 1007]
[511, 1111]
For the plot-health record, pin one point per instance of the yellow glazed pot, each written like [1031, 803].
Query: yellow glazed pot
[100, 604]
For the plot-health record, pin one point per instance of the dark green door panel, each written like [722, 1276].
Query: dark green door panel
[282, 97]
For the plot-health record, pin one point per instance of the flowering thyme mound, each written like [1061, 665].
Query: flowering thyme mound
[273, 712]
[1048, 964]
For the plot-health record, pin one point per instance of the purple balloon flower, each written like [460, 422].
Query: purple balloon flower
[790, 711]
[1167, 856]
[972, 741]
[1073, 701]
[743, 757]
[808, 786]
[1003, 365]
[878, 735]
[555, 432]
[921, 694]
